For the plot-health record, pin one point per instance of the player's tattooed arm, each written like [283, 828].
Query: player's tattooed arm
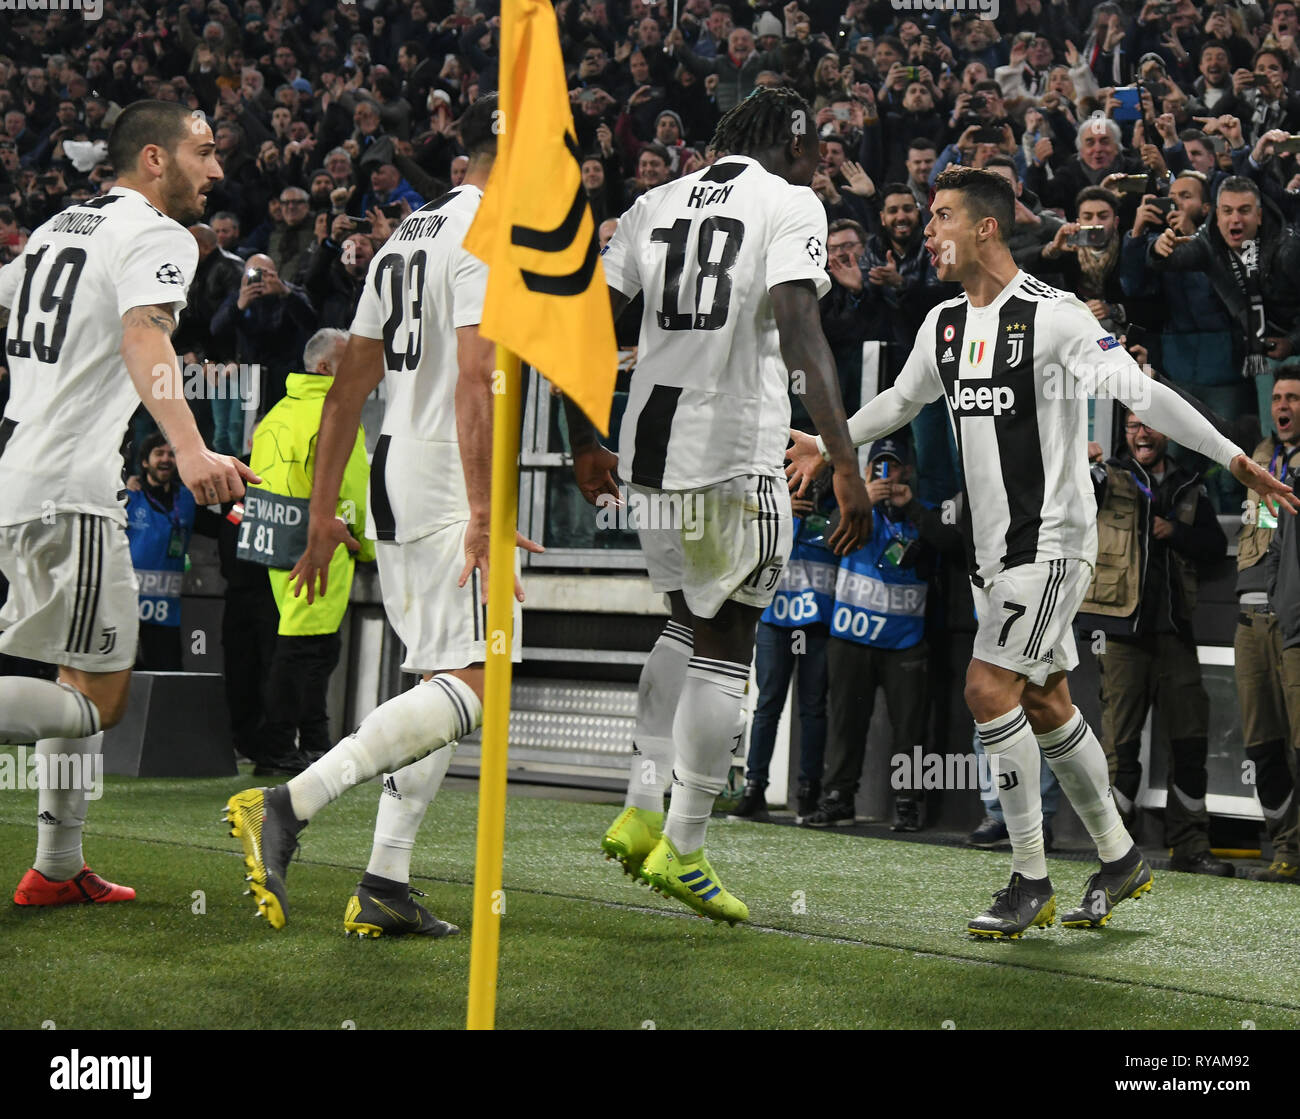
[150, 318]
[155, 371]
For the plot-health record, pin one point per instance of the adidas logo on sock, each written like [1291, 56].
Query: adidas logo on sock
[390, 787]
[47, 817]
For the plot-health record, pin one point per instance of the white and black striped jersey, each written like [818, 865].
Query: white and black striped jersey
[71, 397]
[421, 286]
[1017, 375]
[709, 398]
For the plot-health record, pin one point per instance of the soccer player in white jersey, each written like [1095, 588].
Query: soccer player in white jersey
[731, 260]
[1016, 361]
[430, 481]
[92, 304]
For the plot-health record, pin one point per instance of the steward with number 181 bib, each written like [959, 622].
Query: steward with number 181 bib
[273, 531]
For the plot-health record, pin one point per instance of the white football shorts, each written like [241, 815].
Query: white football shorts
[443, 626]
[725, 541]
[72, 593]
[1026, 617]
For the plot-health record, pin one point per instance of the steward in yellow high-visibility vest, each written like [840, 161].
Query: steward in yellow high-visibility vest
[274, 533]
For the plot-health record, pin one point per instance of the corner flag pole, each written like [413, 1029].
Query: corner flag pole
[489, 898]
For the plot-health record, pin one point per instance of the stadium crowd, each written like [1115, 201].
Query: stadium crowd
[1150, 145]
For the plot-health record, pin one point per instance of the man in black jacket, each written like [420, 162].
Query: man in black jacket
[334, 272]
[1253, 263]
[1099, 155]
[1154, 527]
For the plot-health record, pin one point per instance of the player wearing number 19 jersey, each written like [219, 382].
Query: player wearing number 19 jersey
[1017, 361]
[92, 303]
[731, 261]
[416, 327]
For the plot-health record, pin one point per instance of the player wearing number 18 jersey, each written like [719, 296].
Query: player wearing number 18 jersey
[92, 302]
[417, 327]
[731, 261]
[1016, 361]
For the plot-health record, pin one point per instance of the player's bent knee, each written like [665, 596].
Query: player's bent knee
[987, 698]
[109, 692]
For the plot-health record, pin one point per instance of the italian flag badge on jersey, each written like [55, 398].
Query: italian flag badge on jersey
[976, 352]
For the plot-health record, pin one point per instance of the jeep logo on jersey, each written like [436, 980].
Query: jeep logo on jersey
[982, 399]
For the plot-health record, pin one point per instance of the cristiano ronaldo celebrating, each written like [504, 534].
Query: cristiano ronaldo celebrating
[1016, 361]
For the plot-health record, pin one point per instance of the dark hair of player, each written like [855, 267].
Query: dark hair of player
[985, 194]
[478, 133]
[764, 120]
[164, 123]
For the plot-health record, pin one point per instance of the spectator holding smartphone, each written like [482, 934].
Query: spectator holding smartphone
[1085, 254]
[1252, 262]
[272, 321]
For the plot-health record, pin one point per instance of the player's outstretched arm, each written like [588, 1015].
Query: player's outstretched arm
[360, 370]
[1162, 409]
[476, 358]
[151, 362]
[812, 371]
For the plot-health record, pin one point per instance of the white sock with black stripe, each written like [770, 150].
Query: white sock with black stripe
[61, 812]
[35, 709]
[1014, 765]
[657, 695]
[1076, 757]
[406, 797]
[710, 719]
[395, 734]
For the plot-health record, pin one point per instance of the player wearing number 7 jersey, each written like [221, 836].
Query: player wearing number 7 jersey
[99, 285]
[732, 260]
[1016, 361]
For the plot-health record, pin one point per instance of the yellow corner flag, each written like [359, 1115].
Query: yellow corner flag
[546, 294]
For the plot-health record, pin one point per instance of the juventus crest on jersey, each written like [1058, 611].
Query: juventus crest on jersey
[71, 396]
[1017, 375]
[709, 398]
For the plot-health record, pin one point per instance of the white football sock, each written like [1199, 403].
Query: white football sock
[395, 734]
[406, 797]
[657, 695]
[1076, 757]
[1014, 766]
[710, 715]
[61, 812]
[34, 709]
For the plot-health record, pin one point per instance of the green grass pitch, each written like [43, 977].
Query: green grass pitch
[845, 932]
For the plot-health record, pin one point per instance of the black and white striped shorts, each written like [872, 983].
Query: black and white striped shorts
[1026, 617]
[72, 592]
[725, 541]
